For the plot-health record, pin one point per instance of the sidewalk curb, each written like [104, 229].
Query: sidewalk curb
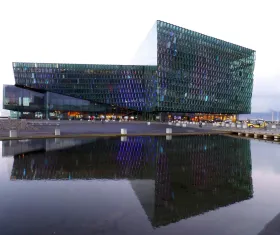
[112, 135]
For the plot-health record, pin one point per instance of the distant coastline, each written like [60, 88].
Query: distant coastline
[266, 116]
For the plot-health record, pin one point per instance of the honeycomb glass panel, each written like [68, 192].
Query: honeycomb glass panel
[203, 66]
[189, 73]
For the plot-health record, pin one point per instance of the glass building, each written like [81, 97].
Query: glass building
[176, 71]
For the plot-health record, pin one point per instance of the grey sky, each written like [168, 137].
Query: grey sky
[110, 32]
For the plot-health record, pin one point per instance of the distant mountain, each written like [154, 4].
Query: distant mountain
[265, 116]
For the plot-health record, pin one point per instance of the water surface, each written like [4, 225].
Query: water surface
[139, 185]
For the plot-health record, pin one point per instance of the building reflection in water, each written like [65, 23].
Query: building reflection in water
[173, 180]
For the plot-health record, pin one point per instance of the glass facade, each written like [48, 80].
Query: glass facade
[41, 104]
[123, 86]
[20, 99]
[198, 73]
[188, 73]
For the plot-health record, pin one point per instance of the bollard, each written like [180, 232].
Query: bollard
[124, 131]
[223, 124]
[256, 135]
[169, 137]
[123, 138]
[273, 126]
[239, 133]
[168, 130]
[148, 123]
[177, 124]
[265, 137]
[244, 126]
[203, 124]
[57, 131]
[184, 125]
[227, 125]
[247, 134]
[238, 126]
[13, 133]
[276, 137]
[232, 124]
[169, 123]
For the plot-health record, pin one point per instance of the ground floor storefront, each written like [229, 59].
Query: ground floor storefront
[124, 114]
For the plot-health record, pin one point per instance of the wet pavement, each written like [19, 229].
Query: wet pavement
[47, 128]
[85, 127]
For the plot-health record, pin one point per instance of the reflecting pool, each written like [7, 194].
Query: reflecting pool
[140, 185]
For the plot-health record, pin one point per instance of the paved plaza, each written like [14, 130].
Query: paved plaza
[43, 128]
[47, 128]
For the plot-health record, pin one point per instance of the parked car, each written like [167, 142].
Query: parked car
[256, 123]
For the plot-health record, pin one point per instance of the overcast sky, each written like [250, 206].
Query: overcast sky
[110, 32]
